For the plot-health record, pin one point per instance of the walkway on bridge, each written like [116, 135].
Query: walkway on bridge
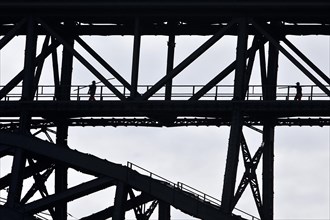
[179, 92]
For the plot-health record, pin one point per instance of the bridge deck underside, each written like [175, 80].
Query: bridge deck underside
[198, 12]
[162, 113]
[220, 109]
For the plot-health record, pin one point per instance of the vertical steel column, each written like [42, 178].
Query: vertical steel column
[55, 71]
[164, 211]
[236, 126]
[136, 57]
[263, 70]
[170, 63]
[67, 61]
[29, 61]
[29, 70]
[61, 171]
[241, 52]
[120, 199]
[272, 72]
[16, 182]
[268, 137]
[268, 171]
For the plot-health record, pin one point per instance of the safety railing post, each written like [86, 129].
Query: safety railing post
[312, 89]
[37, 94]
[101, 93]
[216, 93]
[78, 93]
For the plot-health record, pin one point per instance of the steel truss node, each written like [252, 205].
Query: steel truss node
[261, 29]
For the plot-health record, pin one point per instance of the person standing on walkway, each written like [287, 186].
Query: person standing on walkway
[91, 91]
[298, 93]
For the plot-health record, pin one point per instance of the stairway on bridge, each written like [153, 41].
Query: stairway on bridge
[152, 187]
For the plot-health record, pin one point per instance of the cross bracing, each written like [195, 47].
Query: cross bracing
[262, 30]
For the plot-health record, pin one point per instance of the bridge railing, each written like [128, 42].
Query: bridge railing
[179, 92]
[188, 189]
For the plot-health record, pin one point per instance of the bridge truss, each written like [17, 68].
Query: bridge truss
[260, 27]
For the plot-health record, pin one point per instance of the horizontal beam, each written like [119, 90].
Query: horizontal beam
[203, 27]
[165, 5]
[255, 110]
[102, 10]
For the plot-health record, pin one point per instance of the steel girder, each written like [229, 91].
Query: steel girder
[86, 11]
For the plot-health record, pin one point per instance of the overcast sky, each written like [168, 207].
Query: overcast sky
[196, 155]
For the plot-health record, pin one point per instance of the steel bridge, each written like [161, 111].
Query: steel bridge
[261, 28]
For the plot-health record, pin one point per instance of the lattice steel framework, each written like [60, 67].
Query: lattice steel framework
[63, 23]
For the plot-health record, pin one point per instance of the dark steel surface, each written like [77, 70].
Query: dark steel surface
[254, 109]
[211, 10]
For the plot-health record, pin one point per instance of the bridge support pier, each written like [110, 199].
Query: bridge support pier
[164, 211]
[236, 125]
[120, 199]
[268, 171]
[61, 171]
[268, 136]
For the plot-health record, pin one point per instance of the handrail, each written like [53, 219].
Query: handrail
[186, 188]
[179, 92]
[150, 174]
[200, 195]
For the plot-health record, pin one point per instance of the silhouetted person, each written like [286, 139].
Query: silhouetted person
[91, 91]
[299, 92]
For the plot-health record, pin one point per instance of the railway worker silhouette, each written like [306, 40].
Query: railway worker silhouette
[91, 91]
[298, 93]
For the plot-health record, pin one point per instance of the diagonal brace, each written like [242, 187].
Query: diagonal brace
[291, 58]
[104, 63]
[185, 63]
[11, 34]
[307, 61]
[82, 60]
[68, 195]
[140, 213]
[249, 176]
[231, 67]
[19, 77]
